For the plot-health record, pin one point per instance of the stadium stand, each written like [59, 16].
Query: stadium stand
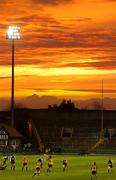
[72, 132]
[77, 131]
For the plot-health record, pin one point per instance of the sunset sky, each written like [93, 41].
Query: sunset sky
[67, 48]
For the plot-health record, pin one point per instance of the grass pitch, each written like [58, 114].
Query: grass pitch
[79, 168]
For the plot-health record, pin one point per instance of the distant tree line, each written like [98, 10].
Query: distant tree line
[65, 105]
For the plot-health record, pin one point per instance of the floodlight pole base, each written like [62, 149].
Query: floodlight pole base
[12, 91]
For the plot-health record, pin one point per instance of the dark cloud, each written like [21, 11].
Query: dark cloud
[5, 77]
[101, 64]
[3, 2]
[52, 2]
[49, 21]
[68, 45]
[110, 0]
[76, 90]
[92, 90]
[60, 40]
[67, 38]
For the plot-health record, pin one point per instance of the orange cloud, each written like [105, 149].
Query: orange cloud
[59, 49]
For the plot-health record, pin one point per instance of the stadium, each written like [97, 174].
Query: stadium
[73, 135]
[57, 89]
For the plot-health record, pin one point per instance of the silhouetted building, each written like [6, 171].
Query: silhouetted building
[9, 136]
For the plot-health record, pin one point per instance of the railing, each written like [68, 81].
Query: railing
[38, 138]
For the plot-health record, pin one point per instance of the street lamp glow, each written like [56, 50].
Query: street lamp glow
[13, 33]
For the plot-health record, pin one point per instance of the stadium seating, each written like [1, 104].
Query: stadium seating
[50, 127]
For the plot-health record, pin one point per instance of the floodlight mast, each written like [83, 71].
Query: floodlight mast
[13, 34]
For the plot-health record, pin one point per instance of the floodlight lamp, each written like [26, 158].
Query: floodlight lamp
[13, 33]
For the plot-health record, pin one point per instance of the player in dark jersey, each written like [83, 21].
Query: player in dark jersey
[64, 164]
[110, 165]
[12, 162]
[94, 170]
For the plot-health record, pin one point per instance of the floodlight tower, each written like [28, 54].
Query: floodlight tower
[13, 34]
